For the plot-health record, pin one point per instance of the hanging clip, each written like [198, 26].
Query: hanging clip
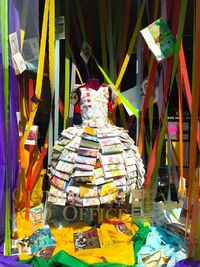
[36, 99]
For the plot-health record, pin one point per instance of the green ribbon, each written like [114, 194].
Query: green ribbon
[178, 40]
[148, 148]
[117, 31]
[197, 249]
[128, 104]
[122, 98]
[57, 78]
[111, 45]
[67, 64]
[102, 18]
[118, 28]
[81, 20]
[159, 151]
[5, 61]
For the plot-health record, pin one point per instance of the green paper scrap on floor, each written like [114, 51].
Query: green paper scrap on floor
[62, 259]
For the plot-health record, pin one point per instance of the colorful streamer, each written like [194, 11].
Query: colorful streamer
[111, 45]
[4, 37]
[103, 34]
[181, 190]
[194, 127]
[131, 45]
[56, 79]
[67, 65]
[40, 71]
[5, 64]
[187, 86]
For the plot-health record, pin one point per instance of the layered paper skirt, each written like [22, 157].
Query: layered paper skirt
[93, 166]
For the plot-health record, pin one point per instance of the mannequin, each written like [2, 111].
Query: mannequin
[98, 162]
[93, 83]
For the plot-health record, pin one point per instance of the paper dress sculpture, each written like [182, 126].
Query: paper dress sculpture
[96, 162]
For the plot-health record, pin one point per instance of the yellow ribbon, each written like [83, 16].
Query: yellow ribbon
[40, 71]
[130, 48]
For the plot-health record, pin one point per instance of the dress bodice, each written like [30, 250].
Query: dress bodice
[94, 106]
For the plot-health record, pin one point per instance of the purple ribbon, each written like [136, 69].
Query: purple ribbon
[2, 156]
[11, 262]
[13, 139]
[188, 263]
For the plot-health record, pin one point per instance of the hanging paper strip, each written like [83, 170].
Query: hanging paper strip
[108, 80]
[81, 19]
[112, 63]
[118, 31]
[2, 148]
[13, 133]
[156, 153]
[88, 27]
[125, 31]
[180, 104]
[169, 5]
[197, 247]
[67, 64]
[150, 86]
[77, 34]
[24, 15]
[169, 159]
[148, 148]
[116, 44]
[187, 86]
[194, 123]
[40, 71]
[161, 87]
[29, 171]
[195, 217]
[151, 119]
[51, 43]
[124, 66]
[131, 45]
[156, 6]
[102, 15]
[175, 21]
[56, 79]
[185, 76]
[48, 10]
[5, 64]
[111, 45]
[51, 70]
[139, 79]
[151, 110]
[73, 81]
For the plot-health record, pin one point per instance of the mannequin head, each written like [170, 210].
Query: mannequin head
[93, 83]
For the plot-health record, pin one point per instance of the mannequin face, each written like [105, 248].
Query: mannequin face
[93, 83]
